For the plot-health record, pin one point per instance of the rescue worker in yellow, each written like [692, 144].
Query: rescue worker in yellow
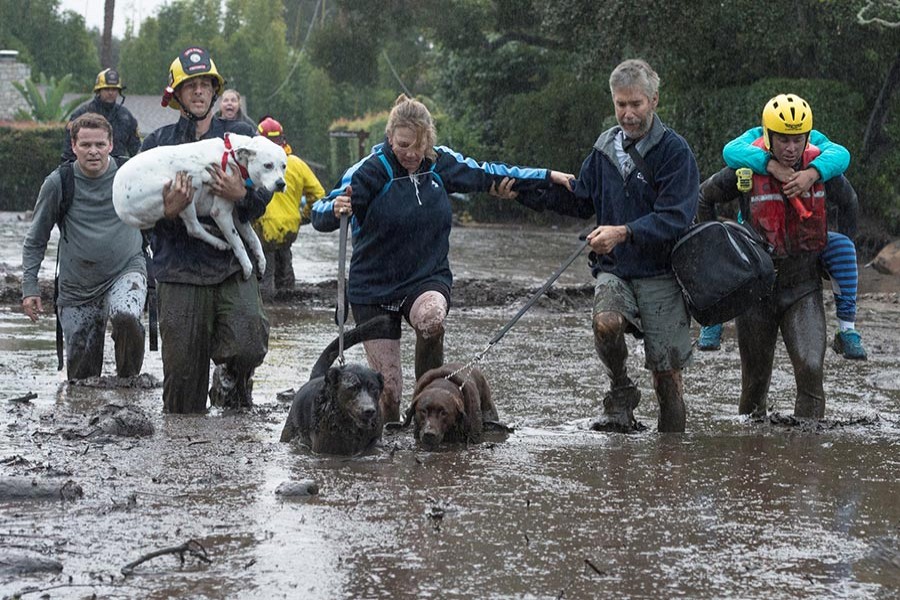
[278, 227]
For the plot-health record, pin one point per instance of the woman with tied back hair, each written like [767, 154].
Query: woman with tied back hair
[230, 108]
[400, 218]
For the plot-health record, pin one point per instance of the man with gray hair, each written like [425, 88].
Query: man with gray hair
[641, 182]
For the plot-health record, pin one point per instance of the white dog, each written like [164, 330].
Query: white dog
[138, 188]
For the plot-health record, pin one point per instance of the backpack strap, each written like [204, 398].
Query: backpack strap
[67, 178]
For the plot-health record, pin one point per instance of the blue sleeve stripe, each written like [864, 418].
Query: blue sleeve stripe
[498, 169]
[348, 175]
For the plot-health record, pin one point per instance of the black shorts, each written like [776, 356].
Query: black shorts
[367, 312]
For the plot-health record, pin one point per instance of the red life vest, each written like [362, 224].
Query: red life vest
[791, 225]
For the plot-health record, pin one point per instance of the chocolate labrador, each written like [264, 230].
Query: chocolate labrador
[451, 406]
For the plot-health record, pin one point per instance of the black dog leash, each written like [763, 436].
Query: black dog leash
[565, 265]
[342, 257]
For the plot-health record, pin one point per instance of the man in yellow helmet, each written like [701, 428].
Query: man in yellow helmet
[107, 90]
[278, 227]
[207, 311]
[793, 221]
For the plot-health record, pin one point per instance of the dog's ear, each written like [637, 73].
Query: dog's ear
[380, 380]
[332, 376]
[459, 404]
[472, 401]
[244, 155]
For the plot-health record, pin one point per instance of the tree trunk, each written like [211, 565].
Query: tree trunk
[109, 7]
[874, 135]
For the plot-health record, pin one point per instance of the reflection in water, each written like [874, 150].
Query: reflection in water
[731, 509]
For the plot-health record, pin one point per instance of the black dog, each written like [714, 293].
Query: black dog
[337, 411]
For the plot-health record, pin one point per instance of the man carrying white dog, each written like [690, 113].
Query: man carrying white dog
[207, 310]
[102, 270]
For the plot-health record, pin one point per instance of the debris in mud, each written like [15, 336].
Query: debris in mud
[190, 547]
[814, 425]
[22, 563]
[28, 488]
[144, 381]
[286, 395]
[293, 489]
[113, 420]
[24, 398]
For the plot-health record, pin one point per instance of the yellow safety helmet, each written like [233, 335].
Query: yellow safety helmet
[192, 62]
[788, 114]
[108, 78]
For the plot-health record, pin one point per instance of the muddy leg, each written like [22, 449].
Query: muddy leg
[757, 332]
[126, 301]
[240, 341]
[803, 330]
[283, 265]
[384, 356]
[84, 328]
[669, 387]
[623, 397]
[185, 325]
[609, 341]
[427, 317]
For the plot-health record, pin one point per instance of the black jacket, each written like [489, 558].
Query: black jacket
[126, 139]
[178, 257]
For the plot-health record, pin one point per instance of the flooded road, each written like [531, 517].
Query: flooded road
[731, 509]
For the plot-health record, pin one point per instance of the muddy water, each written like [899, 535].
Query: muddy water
[731, 509]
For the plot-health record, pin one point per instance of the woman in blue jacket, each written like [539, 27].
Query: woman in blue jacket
[400, 211]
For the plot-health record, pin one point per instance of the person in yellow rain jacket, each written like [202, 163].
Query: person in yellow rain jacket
[278, 227]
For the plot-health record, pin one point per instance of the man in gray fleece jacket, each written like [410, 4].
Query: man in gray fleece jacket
[102, 270]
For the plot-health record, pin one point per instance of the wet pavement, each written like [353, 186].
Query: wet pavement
[731, 509]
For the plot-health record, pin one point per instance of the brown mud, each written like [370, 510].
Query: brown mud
[733, 508]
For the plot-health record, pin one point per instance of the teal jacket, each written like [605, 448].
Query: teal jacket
[740, 152]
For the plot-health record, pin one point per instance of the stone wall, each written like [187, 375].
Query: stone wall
[11, 70]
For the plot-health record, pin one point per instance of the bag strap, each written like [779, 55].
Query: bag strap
[640, 163]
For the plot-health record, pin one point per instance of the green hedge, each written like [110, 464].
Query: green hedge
[28, 153]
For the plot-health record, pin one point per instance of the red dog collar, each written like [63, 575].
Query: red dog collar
[229, 151]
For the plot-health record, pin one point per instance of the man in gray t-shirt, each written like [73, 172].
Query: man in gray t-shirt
[102, 270]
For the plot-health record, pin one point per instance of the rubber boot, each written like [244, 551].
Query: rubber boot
[670, 393]
[618, 410]
[429, 353]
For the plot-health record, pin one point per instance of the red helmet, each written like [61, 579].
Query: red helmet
[271, 129]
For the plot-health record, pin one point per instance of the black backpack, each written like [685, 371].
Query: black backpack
[723, 268]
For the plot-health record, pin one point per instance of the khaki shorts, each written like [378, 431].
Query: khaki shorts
[655, 310]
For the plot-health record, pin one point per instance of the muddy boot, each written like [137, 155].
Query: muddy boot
[670, 393]
[618, 410]
[228, 392]
[429, 353]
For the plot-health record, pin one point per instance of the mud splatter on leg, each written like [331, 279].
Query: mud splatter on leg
[125, 301]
